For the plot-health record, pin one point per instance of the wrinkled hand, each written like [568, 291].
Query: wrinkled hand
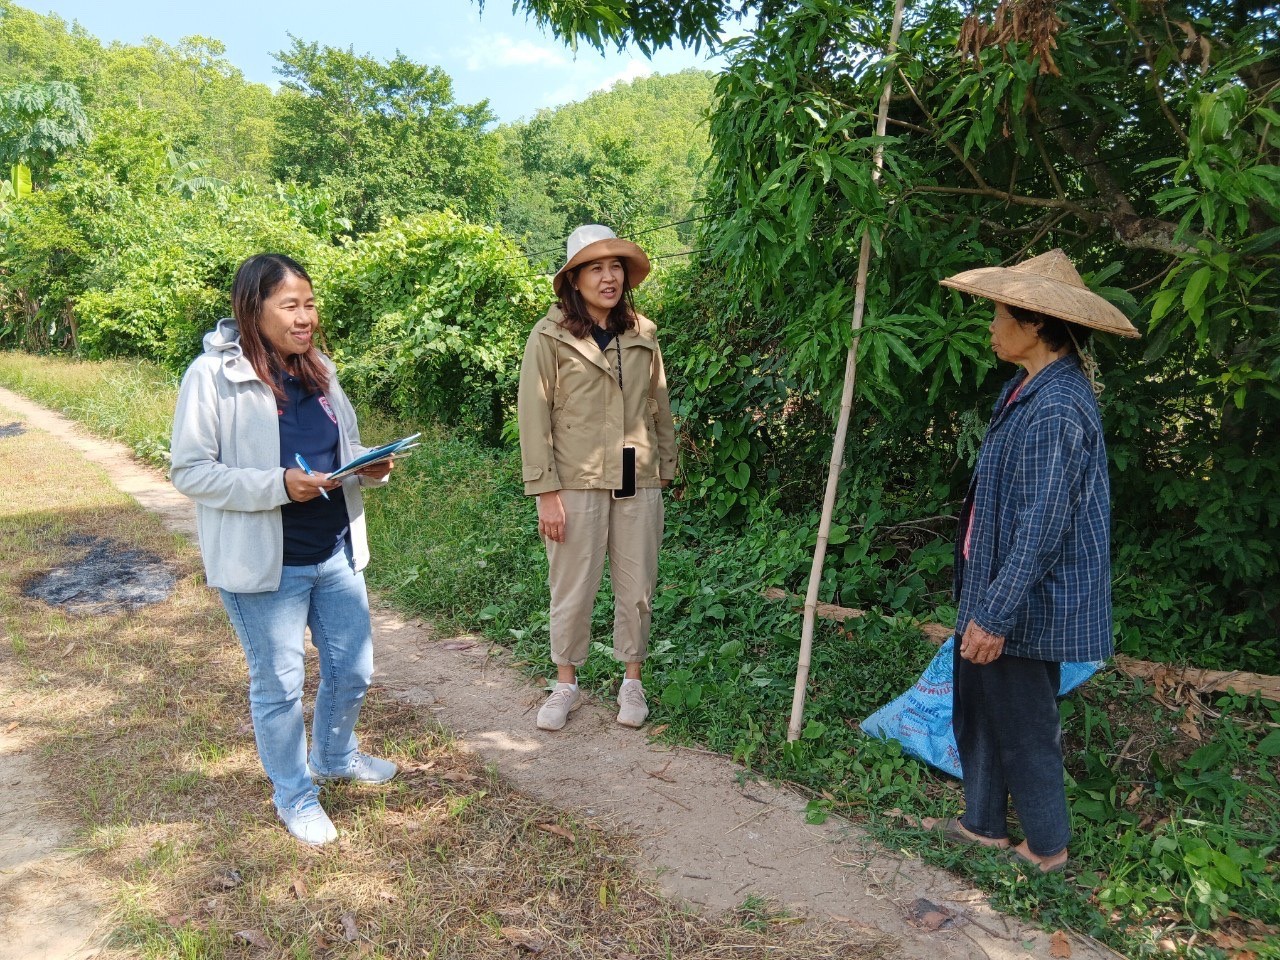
[980, 646]
[379, 470]
[551, 522]
[302, 486]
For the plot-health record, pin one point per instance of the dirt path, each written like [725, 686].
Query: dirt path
[707, 834]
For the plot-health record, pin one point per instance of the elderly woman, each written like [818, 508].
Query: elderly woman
[1033, 572]
[598, 445]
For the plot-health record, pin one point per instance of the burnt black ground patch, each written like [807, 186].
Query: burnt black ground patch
[109, 578]
[15, 429]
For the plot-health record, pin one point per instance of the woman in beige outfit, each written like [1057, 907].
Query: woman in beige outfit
[598, 446]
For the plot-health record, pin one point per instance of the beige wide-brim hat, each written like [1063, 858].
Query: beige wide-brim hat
[1050, 284]
[595, 242]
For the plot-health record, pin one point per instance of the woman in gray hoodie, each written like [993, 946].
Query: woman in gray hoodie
[260, 423]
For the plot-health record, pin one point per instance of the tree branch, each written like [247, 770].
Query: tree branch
[1131, 229]
[937, 132]
[1048, 165]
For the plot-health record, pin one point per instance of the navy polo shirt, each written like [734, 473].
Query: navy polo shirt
[317, 529]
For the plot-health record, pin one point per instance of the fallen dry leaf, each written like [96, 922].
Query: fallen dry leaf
[11, 727]
[254, 937]
[228, 879]
[300, 888]
[1226, 941]
[555, 828]
[1059, 945]
[659, 730]
[929, 915]
[68, 648]
[524, 939]
[350, 931]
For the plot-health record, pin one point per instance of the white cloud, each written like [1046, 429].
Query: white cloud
[634, 70]
[500, 50]
[567, 93]
[581, 89]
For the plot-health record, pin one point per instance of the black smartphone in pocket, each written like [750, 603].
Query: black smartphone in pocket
[628, 488]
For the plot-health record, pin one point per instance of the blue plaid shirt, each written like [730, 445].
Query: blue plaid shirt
[1039, 566]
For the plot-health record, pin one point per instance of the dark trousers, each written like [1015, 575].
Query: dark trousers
[1005, 716]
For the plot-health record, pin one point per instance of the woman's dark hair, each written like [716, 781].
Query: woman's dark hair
[256, 280]
[1054, 332]
[578, 320]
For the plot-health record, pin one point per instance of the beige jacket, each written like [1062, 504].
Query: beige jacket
[574, 420]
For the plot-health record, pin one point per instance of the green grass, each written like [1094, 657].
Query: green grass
[126, 400]
[1175, 797]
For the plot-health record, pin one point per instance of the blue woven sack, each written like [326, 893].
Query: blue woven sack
[920, 719]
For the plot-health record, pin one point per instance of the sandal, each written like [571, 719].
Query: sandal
[952, 829]
[1023, 860]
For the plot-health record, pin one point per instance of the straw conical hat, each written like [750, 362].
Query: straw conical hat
[1050, 284]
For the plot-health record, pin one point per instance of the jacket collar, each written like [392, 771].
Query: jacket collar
[1061, 367]
[550, 327]
[224, 342]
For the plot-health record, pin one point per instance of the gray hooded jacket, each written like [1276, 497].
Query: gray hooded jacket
[225, 455]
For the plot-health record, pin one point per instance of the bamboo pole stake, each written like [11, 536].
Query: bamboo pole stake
[846, 405]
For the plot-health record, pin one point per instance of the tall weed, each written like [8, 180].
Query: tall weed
[126, 400]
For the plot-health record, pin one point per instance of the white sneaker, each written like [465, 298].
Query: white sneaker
[307, 821]
[362, 768]
[564, 699]
[633, 708]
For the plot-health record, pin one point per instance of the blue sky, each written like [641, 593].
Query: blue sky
[497, 55]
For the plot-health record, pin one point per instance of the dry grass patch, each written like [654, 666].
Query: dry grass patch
[142, 720]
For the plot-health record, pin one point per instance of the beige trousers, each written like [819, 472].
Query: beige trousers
[629, 532]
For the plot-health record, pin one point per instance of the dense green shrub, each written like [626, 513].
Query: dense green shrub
[429, 317]
[167, 279]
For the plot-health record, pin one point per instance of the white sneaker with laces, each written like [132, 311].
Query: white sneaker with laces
[564, 699]
[363, 768]
[307, 821]
[633, 708]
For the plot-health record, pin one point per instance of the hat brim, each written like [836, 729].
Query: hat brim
[637, 261]
[1056, 298]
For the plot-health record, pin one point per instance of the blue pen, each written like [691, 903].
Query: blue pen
[307, 470]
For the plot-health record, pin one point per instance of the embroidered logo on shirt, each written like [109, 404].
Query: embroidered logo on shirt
[324, 403]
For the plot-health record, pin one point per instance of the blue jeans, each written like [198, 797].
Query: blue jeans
[330, 598]
[1005, 716]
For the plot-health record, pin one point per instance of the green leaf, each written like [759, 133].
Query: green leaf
[1193, 295]
[813, 730]
[1269, 746]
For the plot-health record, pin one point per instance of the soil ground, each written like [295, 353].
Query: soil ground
[709, 833]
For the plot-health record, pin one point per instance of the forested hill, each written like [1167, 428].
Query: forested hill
[187, 97]
[638, 149]
[629, 156]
